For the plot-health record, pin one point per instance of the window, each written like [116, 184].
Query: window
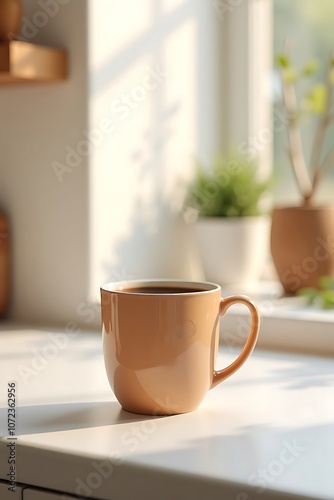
[308, 26]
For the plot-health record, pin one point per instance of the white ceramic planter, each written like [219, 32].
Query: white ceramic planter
[233, 250]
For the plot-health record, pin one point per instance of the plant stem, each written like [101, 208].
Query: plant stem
[328, 162]
[319, 138]
[296, 148]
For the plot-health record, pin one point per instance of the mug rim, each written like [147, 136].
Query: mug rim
[118, 287]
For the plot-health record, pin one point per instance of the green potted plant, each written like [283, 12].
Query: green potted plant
[231, 222]
[302, 237]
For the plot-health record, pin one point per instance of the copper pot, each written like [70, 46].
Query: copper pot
[302, 245]
[4, 264]
[10, 18]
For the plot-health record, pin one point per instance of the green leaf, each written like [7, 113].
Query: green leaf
[282, 60]
[327, 299]
[232, 188]
[289, 75]
[326, 283]
[310, 68]
[331, 76]
[309, 293]
[325, 296]
[315, 101]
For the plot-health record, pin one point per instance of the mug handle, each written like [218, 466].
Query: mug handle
[220, 375]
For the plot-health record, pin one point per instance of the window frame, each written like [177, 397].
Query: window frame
[248, 106]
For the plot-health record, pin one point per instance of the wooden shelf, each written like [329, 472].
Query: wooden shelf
[23, 62]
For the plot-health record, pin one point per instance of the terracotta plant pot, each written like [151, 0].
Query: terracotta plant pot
[302, 245]
[4, 264]
[10, 18]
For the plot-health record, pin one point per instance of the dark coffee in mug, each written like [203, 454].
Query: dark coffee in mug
[160, 290]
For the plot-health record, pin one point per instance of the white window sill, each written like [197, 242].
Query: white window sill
[287, 323]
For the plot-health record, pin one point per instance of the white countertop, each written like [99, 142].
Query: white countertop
[266, 432]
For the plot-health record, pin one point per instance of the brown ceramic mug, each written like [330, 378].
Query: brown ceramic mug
[160, 340]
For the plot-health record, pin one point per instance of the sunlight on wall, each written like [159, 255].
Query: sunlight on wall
[168, 6]
[114, 27]
[144, 130]
[181, 106]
